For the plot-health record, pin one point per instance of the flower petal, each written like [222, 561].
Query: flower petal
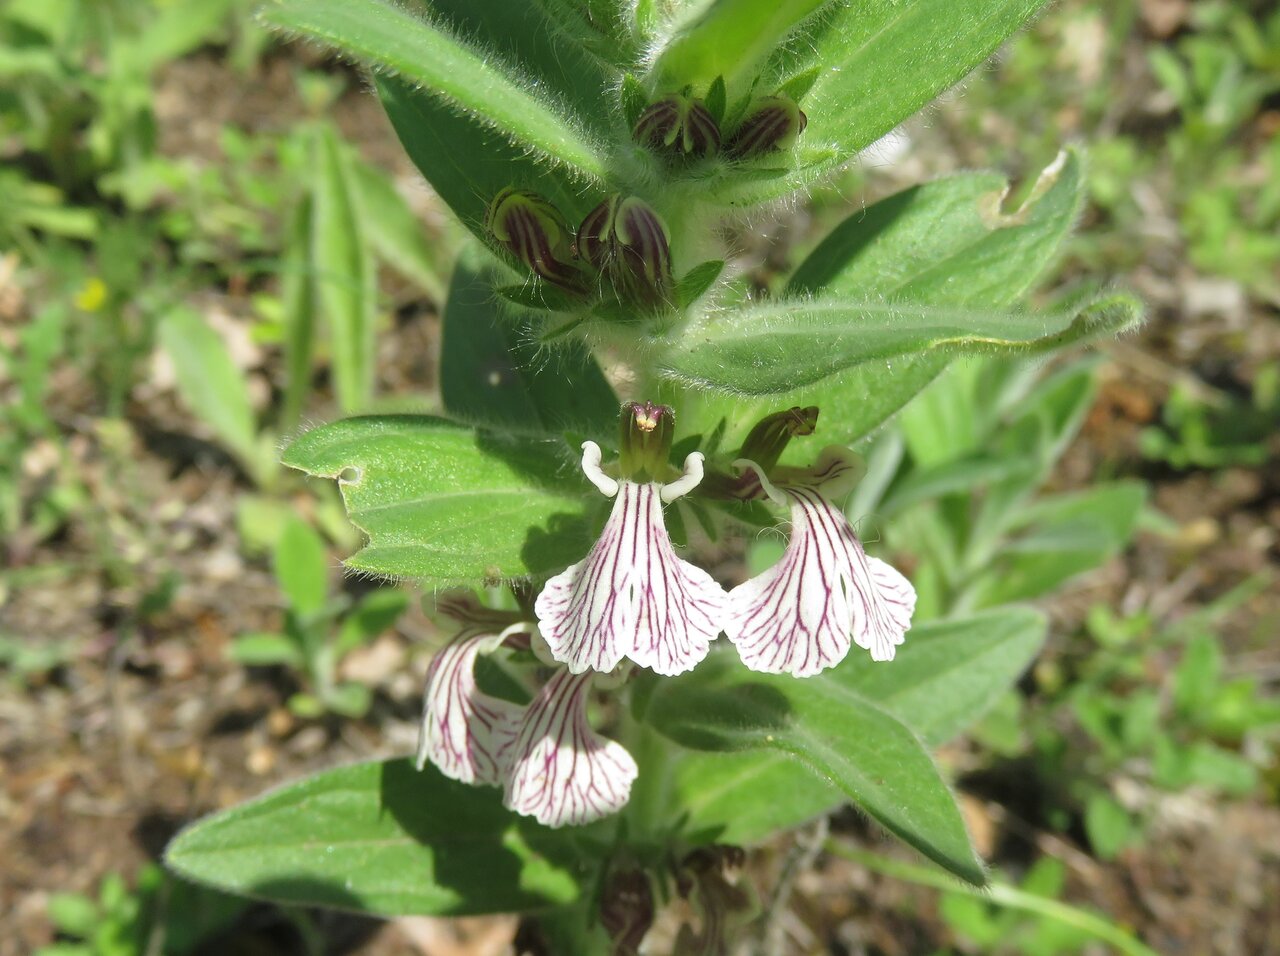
[801, 616]
[465, 732]
[631, 596]
[562, 772]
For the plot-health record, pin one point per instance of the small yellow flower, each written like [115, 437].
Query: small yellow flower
[92, 296]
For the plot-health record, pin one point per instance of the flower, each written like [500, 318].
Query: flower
[549, 762]
[466, 733]
[632, 597]
[562, 772]
[801, 616]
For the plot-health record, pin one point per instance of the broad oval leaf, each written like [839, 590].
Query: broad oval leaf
[383, 838]
[447, 504]
[871, 756]
[943, 679]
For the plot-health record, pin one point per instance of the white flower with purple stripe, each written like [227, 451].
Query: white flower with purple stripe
[632, 597]
[825, 594]
[465, 732]
[551, 765]
[562, 772]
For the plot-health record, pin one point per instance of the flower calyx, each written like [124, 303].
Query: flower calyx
[678, 127]
[627, 242]
[536, 233]
[773, 124]
[645, 433]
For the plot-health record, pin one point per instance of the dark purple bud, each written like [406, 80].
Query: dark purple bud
[626, 910]
[535, 232]
[646, 430]
[627, 242]
[678, 126]
[773, 124]
[769, 437]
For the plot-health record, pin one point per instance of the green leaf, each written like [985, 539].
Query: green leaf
[773, 348]
[73, 914]
[964, 475]
[298, 300]
[881, 61]
[946, 675]
[450, 505]
[1196, 679]
[845, 737]
[729, 39]
[564, 56]
[350, 699]
[398, 236]
[209, 382]
[695, 283]
[391, 40]
[265, 650]
[375, 613]
[1108, 825]
[1066, 535]
[306, 706]
[468, 163]
[948, 243]
[301, 565]
[492, 371]
[382, 838]
[344, 272]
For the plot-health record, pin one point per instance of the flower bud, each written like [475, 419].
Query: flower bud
[773, 124]
[627, 910]
[769, 437]
[627, 242]
[645, 445]
[678, 126]
[535, 232]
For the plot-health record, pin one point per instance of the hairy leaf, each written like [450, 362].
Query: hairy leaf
[492, 371]
[834, 731]
[945, 243]
[773, 348]
[447, 504]
[383, 838]
[878, 62]
[943, 678]
[393, 41]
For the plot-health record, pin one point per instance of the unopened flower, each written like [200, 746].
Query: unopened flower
[677, 125]
[773, 124]
[632, 597]
[802, 615]
[535, 232]
[549, 762]
[627, 242]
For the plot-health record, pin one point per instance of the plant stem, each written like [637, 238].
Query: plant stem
[1002, 894]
